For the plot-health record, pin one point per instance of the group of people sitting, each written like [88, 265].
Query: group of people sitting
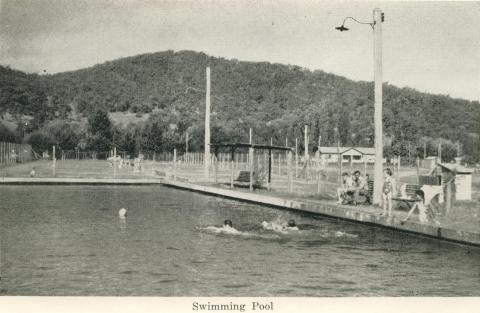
[353, 187]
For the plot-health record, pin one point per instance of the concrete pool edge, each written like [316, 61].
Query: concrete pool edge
[348, 213]
[77, 181]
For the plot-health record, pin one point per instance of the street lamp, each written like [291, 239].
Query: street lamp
[376, 25]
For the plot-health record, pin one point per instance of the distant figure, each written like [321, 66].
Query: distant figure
[388, 190]
[122, 213]
[228, 223]
[346, 190]
[32, 172]
[291, 223]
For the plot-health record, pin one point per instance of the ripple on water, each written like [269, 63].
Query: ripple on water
[166, 281]
[236, 286]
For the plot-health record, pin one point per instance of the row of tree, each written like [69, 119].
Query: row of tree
[163, 132]
[275, 100]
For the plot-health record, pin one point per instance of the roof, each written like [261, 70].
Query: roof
[456, 168]
[333, 150]
[248, 145]
[342, 150]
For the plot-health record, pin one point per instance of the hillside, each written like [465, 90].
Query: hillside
[275, 100]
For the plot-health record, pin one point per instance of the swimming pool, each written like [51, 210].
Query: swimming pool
[69, 240]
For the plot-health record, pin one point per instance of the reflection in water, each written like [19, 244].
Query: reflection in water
[69, 240]
[122, 222]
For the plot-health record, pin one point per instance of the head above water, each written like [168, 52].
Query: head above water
[291, 223]
[228, 223]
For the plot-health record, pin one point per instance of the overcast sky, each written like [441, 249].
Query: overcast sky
[432, 46]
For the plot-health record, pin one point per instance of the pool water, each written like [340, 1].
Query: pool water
[70, 241]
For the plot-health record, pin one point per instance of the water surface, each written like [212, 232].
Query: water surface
[69, 240]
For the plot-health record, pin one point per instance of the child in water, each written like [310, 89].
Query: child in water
[387, 191]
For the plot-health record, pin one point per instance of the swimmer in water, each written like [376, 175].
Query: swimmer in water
[228, 223]
[122, 213]
[280, 227]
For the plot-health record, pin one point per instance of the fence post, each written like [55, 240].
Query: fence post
[250, 153]
[114, 162]
[279, 164]
[54, 161]
[174, 164]
[216, 161]
[289, 171]
[319, 176]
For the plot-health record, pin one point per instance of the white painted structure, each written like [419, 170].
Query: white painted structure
[347, 154]
[463, 179]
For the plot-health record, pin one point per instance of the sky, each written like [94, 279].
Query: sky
[429, 46]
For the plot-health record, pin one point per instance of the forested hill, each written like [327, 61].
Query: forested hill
[275, 100]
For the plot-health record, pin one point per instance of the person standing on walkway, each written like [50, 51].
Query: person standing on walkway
[388, 190]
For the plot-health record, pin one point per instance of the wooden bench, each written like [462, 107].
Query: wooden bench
[409, 194]
[243, 180]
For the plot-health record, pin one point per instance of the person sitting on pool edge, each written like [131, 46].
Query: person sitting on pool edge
[361, 187]
[346, 191]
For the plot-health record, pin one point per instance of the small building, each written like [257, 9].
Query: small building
[347, 154]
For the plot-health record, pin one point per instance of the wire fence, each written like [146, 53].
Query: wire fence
[12, 153]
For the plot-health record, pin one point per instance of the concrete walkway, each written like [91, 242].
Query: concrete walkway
[362, 214]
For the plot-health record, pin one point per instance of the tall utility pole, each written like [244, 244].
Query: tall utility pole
[306, 142]
[206, 157]
[250, 136]
[186, 142]
[377, 63]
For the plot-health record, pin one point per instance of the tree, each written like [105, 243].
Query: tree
[100, 131]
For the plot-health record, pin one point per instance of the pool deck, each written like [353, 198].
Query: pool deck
[360, 214]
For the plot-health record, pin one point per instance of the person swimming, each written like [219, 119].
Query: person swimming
[228, 223]
[282, 227]
[122, 213]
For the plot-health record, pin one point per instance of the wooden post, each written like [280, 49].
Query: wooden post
[364, 166]
[174, 164]
[54, 161]
[398, 171]
[440, 152]
[279, 164]
[206, 157]
[296, 157]
[250, 136]
[114, 162]
[269, 168]
[289, 171]
[418, 166]
[424, 150]
[319, 176]
[250, 153]
[186, 142]
[339, 156]
[215, 161]
[305, 135]
[231, 168]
